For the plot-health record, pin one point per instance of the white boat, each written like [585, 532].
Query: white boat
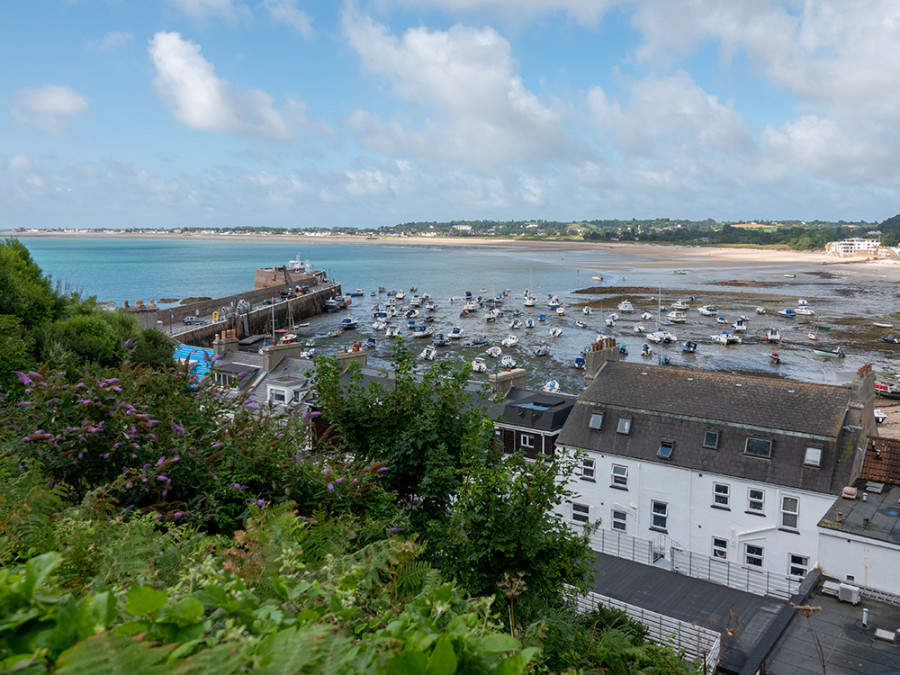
[415, 301]
[638, 328]
[554, 332]
[348, 323]
[422, 331]
[611, 322]
[542, 350]
[646, 316]
[552, 302]
[662, 337]
[439, 340]
[428, 353]
[560, 310]
[455, 333]
[529, 301]
[586, 310]
[882, 324]
[829, 352]
[430, 307]
[787, 313]
[379, 326]
[550, 386]
[626, 307]
[494, 352]
[510, 341]
[739, 326]
[529, 323]
[478, 365]
[580, 324]
[399, 295]
[725, 338]
[760, 310]
[801, 302]
[515, 324]
[646, 350]
[772, 335]
[880, 417]
[680, 304]
[508, 361]
[804, 310]
[676, 316]
[491, 314]
[708, 310]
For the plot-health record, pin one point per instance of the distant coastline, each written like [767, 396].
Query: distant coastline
[673, 254]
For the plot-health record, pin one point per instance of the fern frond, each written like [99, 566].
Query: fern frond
[113, 655]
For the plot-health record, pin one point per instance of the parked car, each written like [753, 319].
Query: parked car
[193, 321]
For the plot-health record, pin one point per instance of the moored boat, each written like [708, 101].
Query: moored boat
[455, 333]
[478, 365]
[428, 353]
[626, 307]
[787, 313]
[829, 352]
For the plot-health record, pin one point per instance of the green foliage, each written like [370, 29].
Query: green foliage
[503, 524]
[420, 427]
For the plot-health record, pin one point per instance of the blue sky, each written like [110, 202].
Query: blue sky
[295, 113]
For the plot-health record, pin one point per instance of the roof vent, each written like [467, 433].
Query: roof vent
[874, 488]
[848, 492]
[690, 379]
[739, 385]
[643, 373]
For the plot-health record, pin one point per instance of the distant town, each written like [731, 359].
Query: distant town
[793, 234]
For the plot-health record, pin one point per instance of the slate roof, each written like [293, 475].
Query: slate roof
[537, 409]
[667, 403]
[290, 372]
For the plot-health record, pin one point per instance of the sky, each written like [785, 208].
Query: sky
[370, 113]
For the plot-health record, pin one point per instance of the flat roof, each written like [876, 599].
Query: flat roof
[878, 517]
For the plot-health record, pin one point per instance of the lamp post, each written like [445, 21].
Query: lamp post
[170, 322]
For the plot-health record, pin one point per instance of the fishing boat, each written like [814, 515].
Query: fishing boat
[510, 341]
[760, 310]
[739, 326]
[555, 332]
[787, 313]
[358, 293]
[887, 390]
[775, 357]
[772, 335]
[580, 324]
[333, 304]
[430, 307]
[551, 387]
[689, 347]
[829, 352]
[478, 365]
[580, 363]
[428, 353]
[422, 331]
[494, 352]
[676, 316]
[348, 323]
[508, 361]
[725, 338]
[440, 340]
[626, 307]
[464, 314]
[415, 301]
[455, 333]
[680, 304]
[542, 350]
[478, 341]
[708, 310]
[804, 310]
[399, 295]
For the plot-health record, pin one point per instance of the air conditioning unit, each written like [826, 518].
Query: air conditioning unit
[848, 593]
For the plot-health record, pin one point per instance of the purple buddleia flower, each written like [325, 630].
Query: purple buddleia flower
[216, 445]
[178, 429]
[382, 469]
[340, 480]
[24, 402]
[127, 343]
[23, 378]
[330, 487]
[162, 478]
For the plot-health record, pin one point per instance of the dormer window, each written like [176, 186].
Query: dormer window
[813, 457]
[758, 447]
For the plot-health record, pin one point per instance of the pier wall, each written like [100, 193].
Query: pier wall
[259, 319]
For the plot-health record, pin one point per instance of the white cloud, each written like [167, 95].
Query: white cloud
[674, 111]
[49, 108]
[476, 105]
[20, 162]
[231, 11]
[201, 100]
[109, 42]
[586, 11]
[286, 11]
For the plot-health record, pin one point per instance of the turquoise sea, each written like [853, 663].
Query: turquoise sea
[120, 268]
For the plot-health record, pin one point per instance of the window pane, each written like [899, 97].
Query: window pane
[624, 425]
[758, 447]
[581, 512]
[720, 494]
[596, 421]
[619, 474]
[711, 439]
[665, 450]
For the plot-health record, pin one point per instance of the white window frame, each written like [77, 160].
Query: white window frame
[798, 562]
[713, 446]
[598, 417]
[581, 513]
[619, 520]
[624, 426]
[721, 495]
[659, 513]
[751, 500]
[758, 440]
[588, 468]
[720, 548]
[813, 457]
[618, 476]
[526, 441]
[787, 515]
[755, 556]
